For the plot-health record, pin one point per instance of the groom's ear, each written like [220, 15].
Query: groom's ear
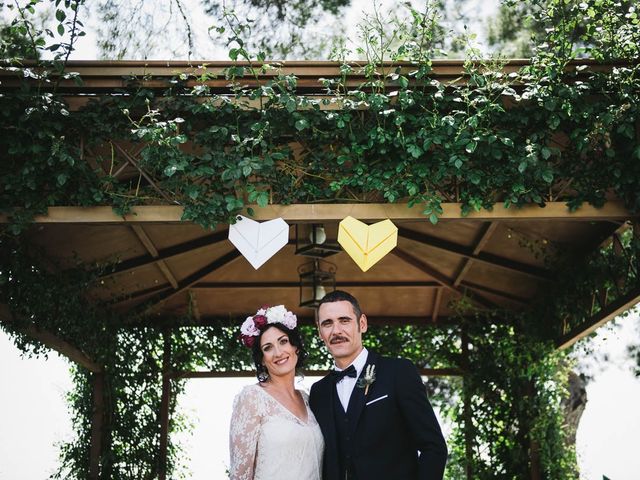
[363, 323]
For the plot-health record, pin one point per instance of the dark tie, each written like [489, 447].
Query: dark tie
[340, 374]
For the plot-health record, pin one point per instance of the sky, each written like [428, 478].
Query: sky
[209, 46]
[34, 417]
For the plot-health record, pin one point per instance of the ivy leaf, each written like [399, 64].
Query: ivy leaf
[62, 179]
[301, 124]
[414, 150]
[522, 166]
[291, 105]
[471, 147]
[262, 199]
[192, 191]
[170, 170]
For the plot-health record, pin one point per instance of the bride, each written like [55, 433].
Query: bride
[273, 432]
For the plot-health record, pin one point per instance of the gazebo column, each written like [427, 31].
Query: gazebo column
[534, 446]
[97, 422]
[164, 407]
[467, 414]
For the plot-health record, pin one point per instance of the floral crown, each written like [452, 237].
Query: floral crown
[253, 326]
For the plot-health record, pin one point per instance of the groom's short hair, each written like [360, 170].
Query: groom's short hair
[339, 296]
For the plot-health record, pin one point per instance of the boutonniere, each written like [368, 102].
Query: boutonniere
[368, 378]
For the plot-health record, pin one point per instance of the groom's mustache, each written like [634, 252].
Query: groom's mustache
[338, 339]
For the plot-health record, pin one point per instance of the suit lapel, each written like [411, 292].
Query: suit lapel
[327, 418]
[358, 399]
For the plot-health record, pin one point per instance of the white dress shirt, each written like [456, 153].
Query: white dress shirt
[346, 385]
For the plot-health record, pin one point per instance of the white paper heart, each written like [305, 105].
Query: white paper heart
[258, 242]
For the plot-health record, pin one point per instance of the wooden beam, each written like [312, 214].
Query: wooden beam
[118, 300]
[51, 341]
[100, 76]
[165, 405]
[436, 305]
[190, 280]
[153, 251]
[492, 291]
[263, 285]
[485, 258]
[232, 321]
[133, 162]
[485, 233]
[175, 375]
[437, 276]
[5, 313]
[97, 419]
[605, 315]
[167, 253]
[163, 214]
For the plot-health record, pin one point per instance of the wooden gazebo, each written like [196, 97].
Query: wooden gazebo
[167, 268]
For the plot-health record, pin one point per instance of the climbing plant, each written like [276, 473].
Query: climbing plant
[548, 132]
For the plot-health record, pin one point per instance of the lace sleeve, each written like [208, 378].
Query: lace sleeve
[243, 434]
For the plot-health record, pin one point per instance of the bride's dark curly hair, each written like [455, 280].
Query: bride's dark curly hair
[294, 338]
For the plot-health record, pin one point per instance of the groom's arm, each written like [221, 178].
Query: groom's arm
[421, 421]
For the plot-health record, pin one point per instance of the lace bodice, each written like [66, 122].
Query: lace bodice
[267, 441]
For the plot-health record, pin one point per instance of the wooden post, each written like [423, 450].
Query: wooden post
[466, 408]
[636, 239]
[534, 446]
[164, 407]
[95, 451]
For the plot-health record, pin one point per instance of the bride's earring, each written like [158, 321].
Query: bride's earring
[263, 374]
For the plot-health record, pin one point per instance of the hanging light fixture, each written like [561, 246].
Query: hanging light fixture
[312, 240]
[317, 278]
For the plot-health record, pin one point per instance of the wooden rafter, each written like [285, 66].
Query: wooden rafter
[163, 214]
[99, 77]
[134, 163]
[605, 315]
[167, 253]
[492, 291]
[52, 341]
[437, 276]
[485, 233]
[139, 294]
[354, 284]
[190, 280]
[214, 320]
[153, 251]
[469, 253]
[436, 305]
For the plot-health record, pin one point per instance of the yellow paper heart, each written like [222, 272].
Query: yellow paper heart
[367, 244]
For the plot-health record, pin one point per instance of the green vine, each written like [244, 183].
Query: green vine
[548, 132]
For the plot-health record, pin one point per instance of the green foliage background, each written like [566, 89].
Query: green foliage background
[400, 136]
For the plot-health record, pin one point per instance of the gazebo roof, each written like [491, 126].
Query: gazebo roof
[169, 268]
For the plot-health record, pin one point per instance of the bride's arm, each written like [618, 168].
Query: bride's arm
[243, 434]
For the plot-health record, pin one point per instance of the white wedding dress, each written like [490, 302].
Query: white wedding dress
[268, 442]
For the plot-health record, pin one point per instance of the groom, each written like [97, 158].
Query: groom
[373, 411]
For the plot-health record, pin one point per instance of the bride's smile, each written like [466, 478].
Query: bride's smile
[279, 355]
